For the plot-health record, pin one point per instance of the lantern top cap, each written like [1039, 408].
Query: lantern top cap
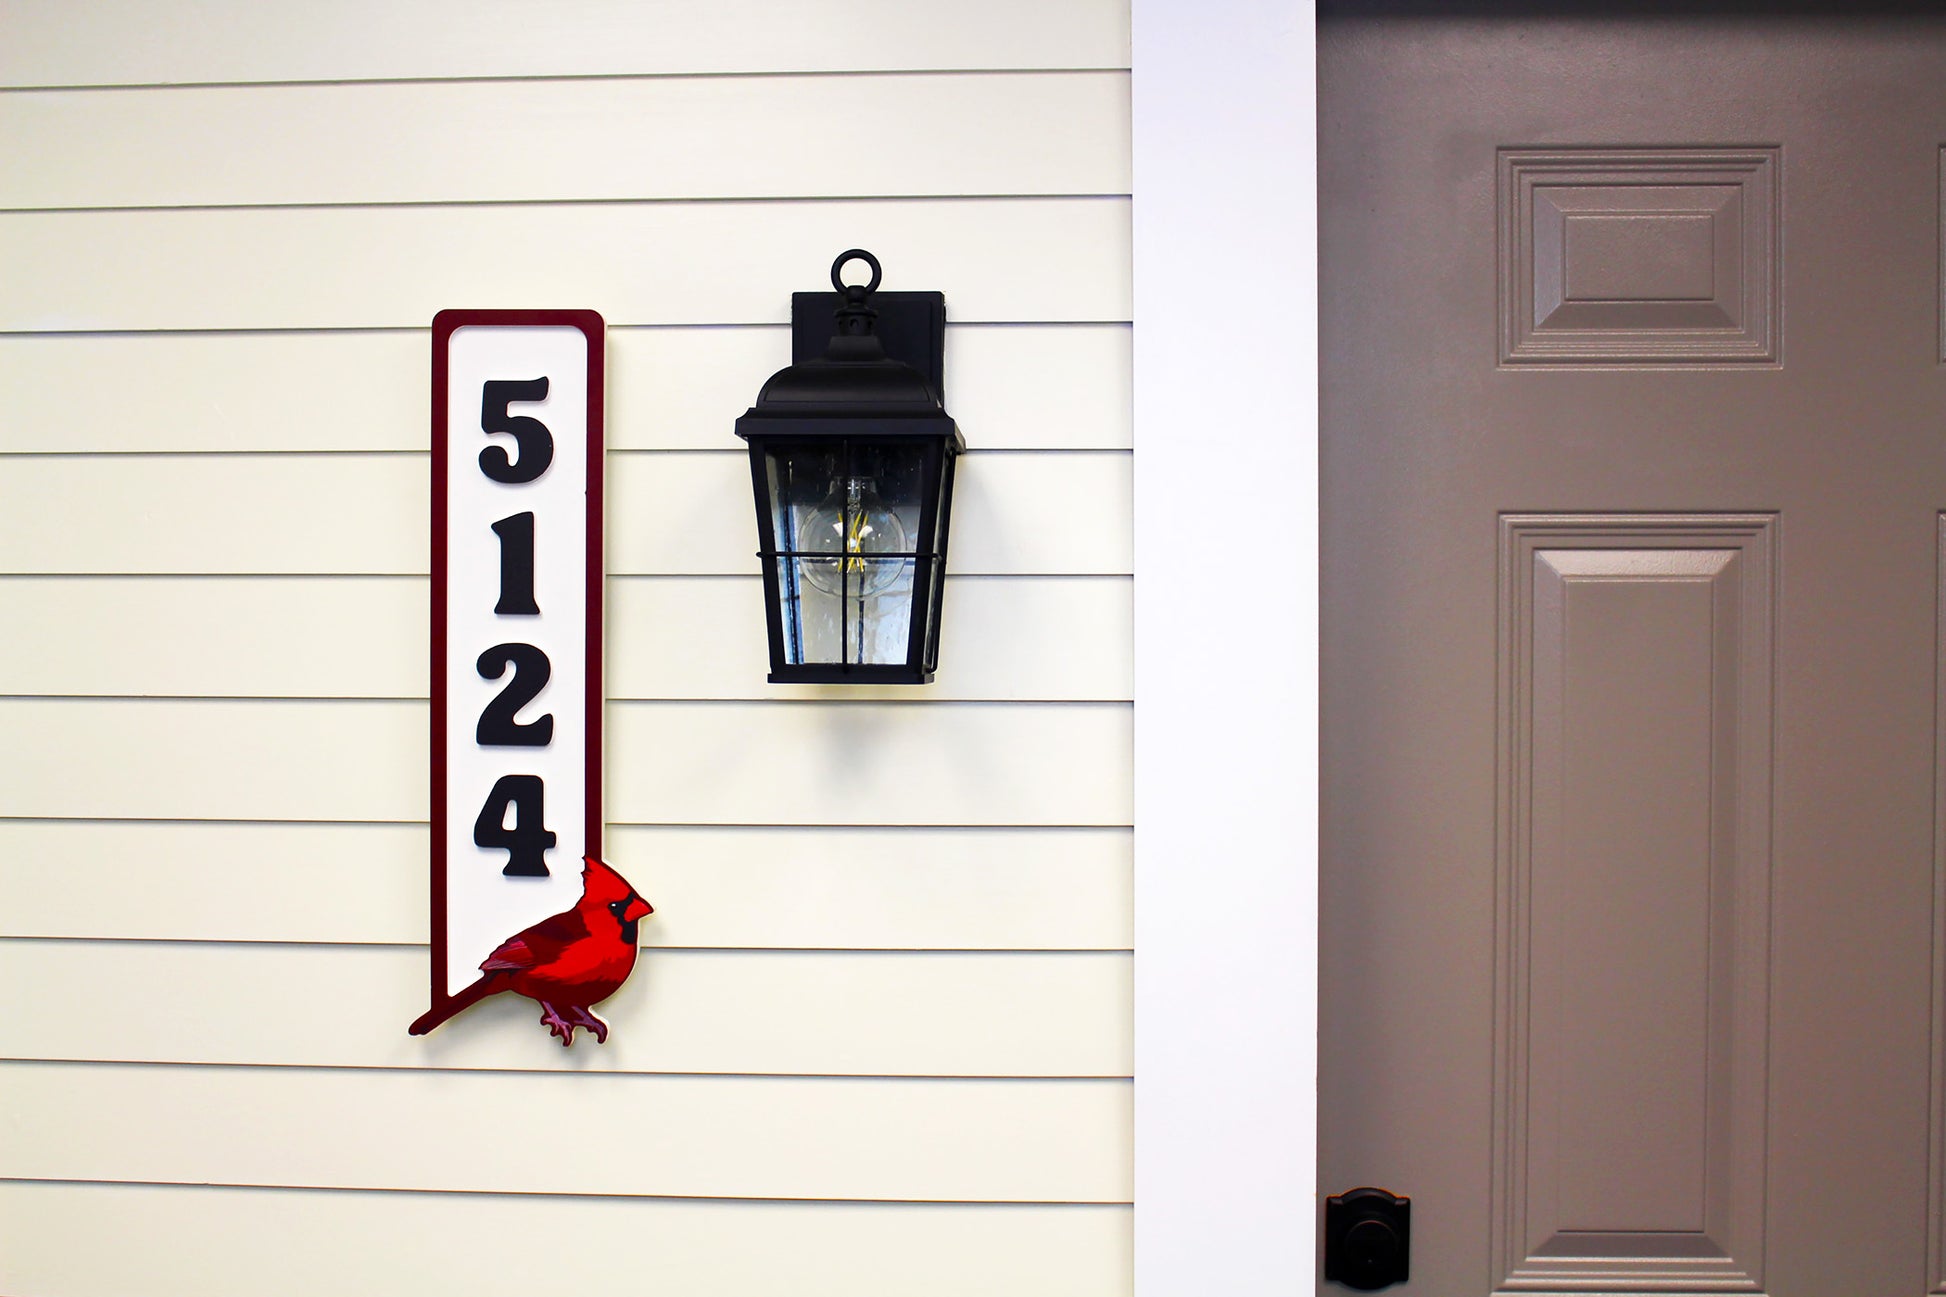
[854, 376]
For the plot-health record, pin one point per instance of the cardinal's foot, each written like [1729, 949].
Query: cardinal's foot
[557, 1025]
[585, 1018]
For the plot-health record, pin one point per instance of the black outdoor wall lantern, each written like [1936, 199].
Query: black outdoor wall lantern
[851, 456]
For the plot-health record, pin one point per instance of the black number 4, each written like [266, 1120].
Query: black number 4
[528, 840]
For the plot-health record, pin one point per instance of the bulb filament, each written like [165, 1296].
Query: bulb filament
[858, 527]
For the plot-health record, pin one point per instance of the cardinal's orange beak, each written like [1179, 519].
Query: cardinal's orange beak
[637, 909]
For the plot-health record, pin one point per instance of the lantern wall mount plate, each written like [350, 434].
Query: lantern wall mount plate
[851, 460]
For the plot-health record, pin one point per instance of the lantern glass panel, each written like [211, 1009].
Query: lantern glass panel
[846, 518]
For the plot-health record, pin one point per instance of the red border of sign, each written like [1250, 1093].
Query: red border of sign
[595, 330]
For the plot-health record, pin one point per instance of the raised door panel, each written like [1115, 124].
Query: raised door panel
[1634, 879]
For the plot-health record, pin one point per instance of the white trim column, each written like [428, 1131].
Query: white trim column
[1226, 646]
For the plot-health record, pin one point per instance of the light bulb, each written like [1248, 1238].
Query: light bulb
[853, 521]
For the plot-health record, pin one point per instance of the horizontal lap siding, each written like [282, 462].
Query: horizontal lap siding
[1014, 387]
[120, 42]
[934, 1140]
[528, 141]
[215, 1241]
[667, 763]
[892, 1013]
[716, 886]
[1004, 638]
[889, 975]
[1008, 260]
[1015, 513]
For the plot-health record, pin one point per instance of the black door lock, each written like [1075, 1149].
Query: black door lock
[1367, 1239]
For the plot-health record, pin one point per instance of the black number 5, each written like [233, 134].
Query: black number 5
[532, 440]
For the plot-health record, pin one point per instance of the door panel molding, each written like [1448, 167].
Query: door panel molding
[1633, 875]
[1936, 1140]
[1640, 256]
[1940, 288]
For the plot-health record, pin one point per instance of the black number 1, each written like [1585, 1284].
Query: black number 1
[516, 535]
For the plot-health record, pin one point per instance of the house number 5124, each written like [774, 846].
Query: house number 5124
[516, 652]
[514, 816]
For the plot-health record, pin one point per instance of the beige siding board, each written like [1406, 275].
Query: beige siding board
[244, 637]
[891, 763]
[222, 760]
[1035, 388]
[224, 392]
[100, 1240]
[216, 882]
[815, 1013]
[886, 887]
[685, 513]
[630, 138]
[587, 1133]
[1014, 260]
[1023, 387]
[224, 513]
[738, 888]
[1034, 638]
[667, 763]
[110, 42]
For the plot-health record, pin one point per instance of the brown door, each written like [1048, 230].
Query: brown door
[1634, 462]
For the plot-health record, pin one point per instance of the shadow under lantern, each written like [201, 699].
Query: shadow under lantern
[851, 457]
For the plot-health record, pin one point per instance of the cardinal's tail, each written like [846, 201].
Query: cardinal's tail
[466, 999]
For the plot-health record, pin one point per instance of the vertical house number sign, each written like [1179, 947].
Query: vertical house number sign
[516, 631]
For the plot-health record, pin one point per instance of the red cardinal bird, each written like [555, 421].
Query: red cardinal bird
[567, 962]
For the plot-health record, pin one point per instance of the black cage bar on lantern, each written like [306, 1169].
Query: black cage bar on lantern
[851, 459]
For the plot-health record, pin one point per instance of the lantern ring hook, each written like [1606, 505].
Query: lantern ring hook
[855, 254]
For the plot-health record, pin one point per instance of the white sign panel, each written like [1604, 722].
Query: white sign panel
[516, 634]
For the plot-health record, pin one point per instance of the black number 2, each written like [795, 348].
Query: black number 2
[497, 727]
[527, 841]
